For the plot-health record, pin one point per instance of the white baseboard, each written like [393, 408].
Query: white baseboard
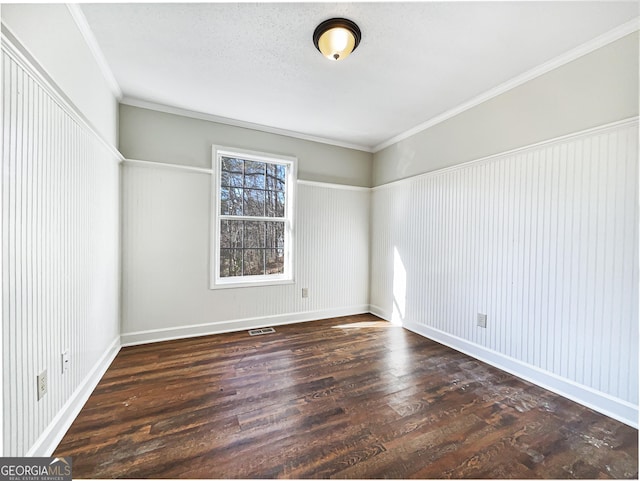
[53, 434]
[598, 401]
[181, 332]
[57, 428]
[604, 403]
[378, 311]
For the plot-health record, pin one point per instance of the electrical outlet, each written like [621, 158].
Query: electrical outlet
[482, 320]
[42, 384]
[305, 292]
[65, 361]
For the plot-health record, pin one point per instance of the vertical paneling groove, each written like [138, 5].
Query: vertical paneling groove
[543, 240]
[165, 263]
[60, 252]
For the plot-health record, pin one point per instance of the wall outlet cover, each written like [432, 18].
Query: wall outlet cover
[65, 361]
[482, 320]
[42, 384]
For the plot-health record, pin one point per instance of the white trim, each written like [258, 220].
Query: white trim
[598, 42]
[311, 183]
[606, 404]
[149, 105]
[28, 62]
[378, 311]
[574, 135]
[57, 428]
[183, 332]
[163, 165]
[291, 164]
[327, 185]
[269, 280]
[94, 47]
[258, 156]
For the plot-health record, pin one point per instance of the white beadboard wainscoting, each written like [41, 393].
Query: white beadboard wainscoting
[544, 241]
[60, 257]
[166, 220]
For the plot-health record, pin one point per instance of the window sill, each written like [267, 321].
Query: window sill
[253, 283]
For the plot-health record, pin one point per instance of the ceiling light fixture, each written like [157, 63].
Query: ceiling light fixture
[336, 38]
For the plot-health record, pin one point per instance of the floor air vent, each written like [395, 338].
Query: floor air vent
[263, 330]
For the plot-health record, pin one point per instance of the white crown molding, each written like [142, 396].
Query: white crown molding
[146, 104]
[96, 51]
[598, 42]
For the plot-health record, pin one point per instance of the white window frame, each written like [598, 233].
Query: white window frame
[287, 277]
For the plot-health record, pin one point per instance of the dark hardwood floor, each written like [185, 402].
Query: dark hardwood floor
[352, 397]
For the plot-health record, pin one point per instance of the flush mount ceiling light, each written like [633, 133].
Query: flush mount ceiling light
[336, 38]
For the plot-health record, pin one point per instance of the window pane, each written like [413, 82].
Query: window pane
[254, 234]
[250, 188]
[231, 234]
[254, 202]
[233, 180]
[274, 204]
[276, 176]
[232, 172]
[230, 262]
[275, 261]
[231, 200]
[254, 262]
[275, 235]
[254, 174]
[235, 166]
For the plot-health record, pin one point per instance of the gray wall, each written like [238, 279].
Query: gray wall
[168, 138]
[51, 35]
[166, 236]
[598, 88]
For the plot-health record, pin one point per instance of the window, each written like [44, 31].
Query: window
[252, 224]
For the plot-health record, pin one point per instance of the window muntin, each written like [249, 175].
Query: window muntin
[253, 210]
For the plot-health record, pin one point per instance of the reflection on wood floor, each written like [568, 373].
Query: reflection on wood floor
[351, 397]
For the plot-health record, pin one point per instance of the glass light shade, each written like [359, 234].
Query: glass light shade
[336, 43]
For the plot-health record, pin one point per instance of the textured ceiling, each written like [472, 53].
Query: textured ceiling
[255, 62]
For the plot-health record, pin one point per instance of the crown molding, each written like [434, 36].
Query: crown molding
[96, 51]
[594, 44]
[146, 104]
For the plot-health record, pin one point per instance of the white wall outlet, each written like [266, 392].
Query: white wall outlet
[305, 292]
[42, 384]
[482, 320]
[65, 361]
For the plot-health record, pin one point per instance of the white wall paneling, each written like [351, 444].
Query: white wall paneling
[544, 240]
[60, 257]
[49, 34]
[527, 113]
[165, 275]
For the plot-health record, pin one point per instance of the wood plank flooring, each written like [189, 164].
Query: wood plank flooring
[351, 397]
